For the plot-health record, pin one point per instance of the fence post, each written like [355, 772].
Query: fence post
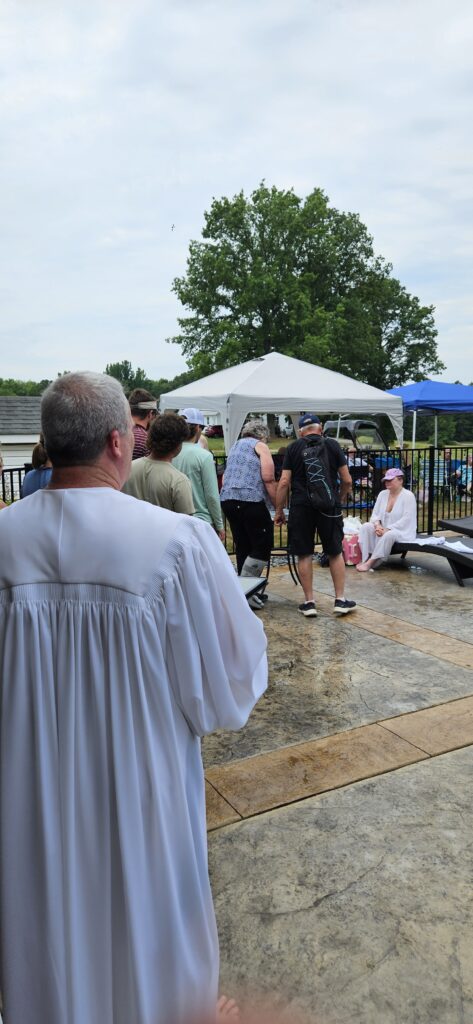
[430, 506]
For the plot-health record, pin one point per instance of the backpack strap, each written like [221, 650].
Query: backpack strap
[319, 485]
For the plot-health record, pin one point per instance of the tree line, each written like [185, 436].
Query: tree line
[122, 371]
[450, 428]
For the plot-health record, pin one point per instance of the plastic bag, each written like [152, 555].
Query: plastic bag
[351, 525]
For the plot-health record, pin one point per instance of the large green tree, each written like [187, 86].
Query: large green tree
[274, 272]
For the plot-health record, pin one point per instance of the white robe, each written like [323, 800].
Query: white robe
[401, 523]
[124, 637]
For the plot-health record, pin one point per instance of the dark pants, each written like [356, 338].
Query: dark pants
[252, 529]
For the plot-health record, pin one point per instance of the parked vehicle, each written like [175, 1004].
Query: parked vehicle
[370, 455]
[361, 434]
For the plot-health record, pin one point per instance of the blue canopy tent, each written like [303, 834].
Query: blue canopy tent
[434, 396]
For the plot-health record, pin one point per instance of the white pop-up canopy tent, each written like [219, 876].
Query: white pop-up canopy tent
[276, 383]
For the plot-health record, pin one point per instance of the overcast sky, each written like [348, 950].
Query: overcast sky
[121, 119]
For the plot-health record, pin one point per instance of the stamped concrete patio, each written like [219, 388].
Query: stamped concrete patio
[340, 819]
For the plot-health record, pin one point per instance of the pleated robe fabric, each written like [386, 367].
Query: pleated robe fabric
[124, 637]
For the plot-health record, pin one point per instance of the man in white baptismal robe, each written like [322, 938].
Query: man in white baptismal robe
[124, 638]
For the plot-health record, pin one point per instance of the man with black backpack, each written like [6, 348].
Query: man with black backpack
[316, 473]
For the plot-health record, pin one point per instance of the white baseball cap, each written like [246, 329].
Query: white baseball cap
[193, 416]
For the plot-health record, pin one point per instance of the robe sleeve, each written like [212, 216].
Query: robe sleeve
[215, 645]
[378, 511]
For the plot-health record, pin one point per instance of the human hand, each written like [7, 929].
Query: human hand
[279, 518]
[221, 535]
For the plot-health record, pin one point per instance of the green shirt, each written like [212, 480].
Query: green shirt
[199, 467]
[161, 484]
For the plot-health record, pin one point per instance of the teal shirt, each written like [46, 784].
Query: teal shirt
[199, 466]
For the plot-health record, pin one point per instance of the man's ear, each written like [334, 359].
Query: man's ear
[114, 443]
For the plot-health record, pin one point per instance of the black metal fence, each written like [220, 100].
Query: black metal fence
[440, 479]
[11, 480]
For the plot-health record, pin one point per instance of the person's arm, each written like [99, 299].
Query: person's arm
[182, 497]
[282, 495]
[212, 499]
[267, 470]
[378, 511]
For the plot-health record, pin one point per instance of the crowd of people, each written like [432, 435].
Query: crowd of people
[173, 469]
[175, 472]
[126, 637]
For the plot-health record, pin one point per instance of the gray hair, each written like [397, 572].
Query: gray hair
[256, 428]
[78, 412]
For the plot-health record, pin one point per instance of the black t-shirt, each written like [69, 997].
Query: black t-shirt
[293, 460]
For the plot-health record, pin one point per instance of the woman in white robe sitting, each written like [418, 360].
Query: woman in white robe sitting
[394, 518]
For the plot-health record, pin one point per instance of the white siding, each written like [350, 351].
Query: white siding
[15, 455]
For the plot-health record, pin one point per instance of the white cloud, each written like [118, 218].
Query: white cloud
[120, 120]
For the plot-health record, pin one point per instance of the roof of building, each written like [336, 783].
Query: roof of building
[19, 414]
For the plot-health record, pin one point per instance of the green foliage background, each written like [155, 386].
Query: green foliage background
[274, 272]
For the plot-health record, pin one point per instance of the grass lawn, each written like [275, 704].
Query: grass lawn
[216, 445]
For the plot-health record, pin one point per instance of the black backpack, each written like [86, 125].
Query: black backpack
[317, 467]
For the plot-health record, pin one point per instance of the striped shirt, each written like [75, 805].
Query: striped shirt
[140, 447]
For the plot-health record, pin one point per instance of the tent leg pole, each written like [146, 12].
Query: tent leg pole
[414, 425]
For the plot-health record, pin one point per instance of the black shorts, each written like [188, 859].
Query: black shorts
[304, 521]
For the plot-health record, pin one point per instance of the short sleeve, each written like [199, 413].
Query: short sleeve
[216, 646]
